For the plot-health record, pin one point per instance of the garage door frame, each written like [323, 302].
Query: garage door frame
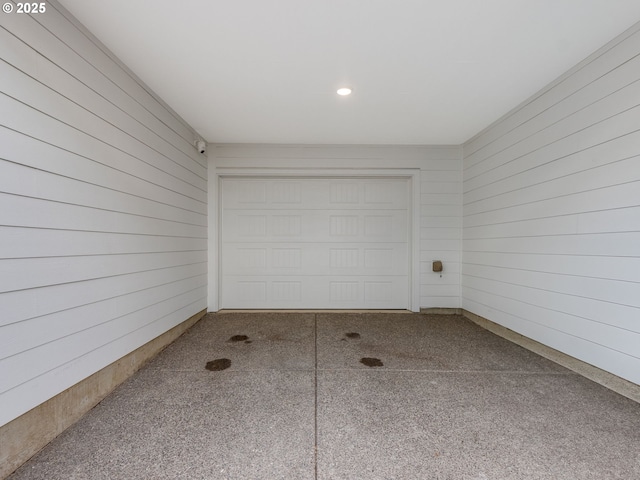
[410, 174]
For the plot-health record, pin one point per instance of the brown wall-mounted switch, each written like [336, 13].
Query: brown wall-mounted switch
[437, 266]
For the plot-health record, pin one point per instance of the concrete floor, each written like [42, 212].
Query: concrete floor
[450, 401]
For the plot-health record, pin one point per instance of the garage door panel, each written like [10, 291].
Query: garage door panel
[308, 226]
[314, 243]
[315, 292]
[316, 259]
[315, 194]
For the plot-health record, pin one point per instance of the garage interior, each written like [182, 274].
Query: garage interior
[437, 275]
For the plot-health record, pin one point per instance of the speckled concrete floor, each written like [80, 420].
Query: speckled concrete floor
[447, 400]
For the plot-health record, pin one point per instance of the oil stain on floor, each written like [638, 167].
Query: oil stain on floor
[218, 364]
[371, 362]
[239, 338]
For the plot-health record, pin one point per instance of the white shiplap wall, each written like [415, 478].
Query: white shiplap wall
[551, 213]
[103, 211]
[440, 195]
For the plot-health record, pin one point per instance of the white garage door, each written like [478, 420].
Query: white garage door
[314, 243]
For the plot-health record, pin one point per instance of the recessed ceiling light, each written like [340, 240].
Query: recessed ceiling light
[344, 91]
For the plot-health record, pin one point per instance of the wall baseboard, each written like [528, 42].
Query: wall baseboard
[604, 378]
[25, 436]
[442, 311]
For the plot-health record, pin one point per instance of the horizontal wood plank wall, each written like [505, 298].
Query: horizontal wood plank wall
[440, 194]
[551, 214]
[103, 211]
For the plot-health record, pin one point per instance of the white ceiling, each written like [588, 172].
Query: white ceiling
[422, 71]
